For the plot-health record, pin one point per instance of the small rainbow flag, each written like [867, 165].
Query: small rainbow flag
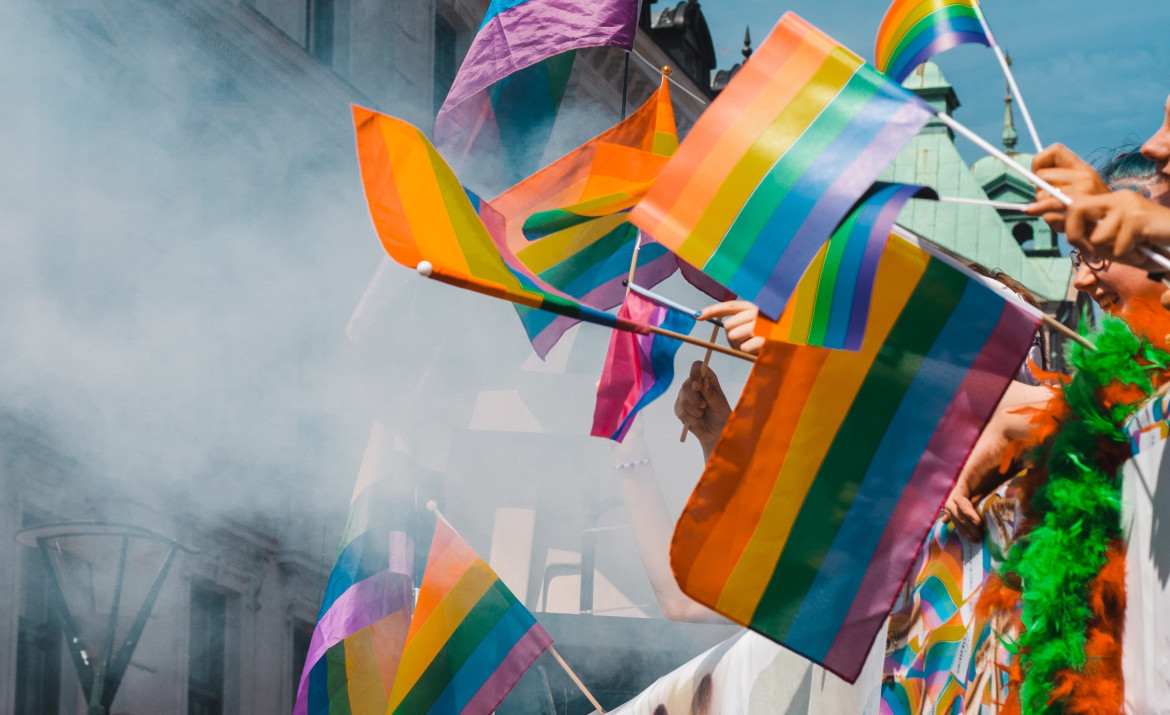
[507, 91]
[835, 464]
[913, 31]
[776, 161]
[638, 368]
[365, 613]
[830, 306]
[421, 213]
[567, 224]
[470, 639]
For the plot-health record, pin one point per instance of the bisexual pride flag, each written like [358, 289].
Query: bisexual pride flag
[638, 368]
[776, 161]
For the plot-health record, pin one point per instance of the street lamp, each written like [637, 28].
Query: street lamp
[106, 578]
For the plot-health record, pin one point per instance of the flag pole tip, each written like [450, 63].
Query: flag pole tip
[425, 269]
[667, 71]
[431, 505]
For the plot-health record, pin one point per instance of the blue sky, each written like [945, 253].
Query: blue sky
[1093, 74]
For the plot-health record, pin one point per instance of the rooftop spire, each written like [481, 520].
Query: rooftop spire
[747, 42]
[1009, 136]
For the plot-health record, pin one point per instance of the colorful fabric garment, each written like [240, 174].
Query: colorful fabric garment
[638, 368]
[942, 655]
[361, 629]
[509, 86]
[567, 224]
[421, 213]
[470, 640]
[776, 161]
[1144, 504]
[913, 31]
[830, 306]
[834, 464]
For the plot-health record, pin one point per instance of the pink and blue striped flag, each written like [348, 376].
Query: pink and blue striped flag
[510, 84]
[776, 161]
[638, 368]
[366, 610]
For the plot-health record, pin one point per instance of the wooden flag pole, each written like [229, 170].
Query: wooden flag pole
[703, 373]
[1011, 79]
[998, 205]
[575, 679]
[427, 270]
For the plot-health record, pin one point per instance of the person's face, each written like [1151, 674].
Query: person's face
[1114, 284]
[1157, 147]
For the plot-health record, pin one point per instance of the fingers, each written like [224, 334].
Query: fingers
[962, 512]
[1057, 156]
[725, 309]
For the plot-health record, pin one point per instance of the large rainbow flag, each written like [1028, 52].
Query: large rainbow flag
[422, 213]
[470, 639]
[517, 46]
[834, 464]
[566, 224]
[830, 306]
[365, 612]
[638, 368]
[776, 161]
[913, 31]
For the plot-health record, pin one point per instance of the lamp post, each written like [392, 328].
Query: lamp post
[106, 578]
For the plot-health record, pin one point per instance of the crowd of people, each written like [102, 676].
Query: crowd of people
[1118, 215]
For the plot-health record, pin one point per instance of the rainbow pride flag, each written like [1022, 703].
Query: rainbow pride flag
[835, 464]
[913, 31]
[509, 87]
[470, 639]
[365, 612]
[776, 161]
[638, 368]
[830, 306]
[566, 224]
[421, 213]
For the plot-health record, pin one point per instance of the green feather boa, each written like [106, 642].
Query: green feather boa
[1076, 512]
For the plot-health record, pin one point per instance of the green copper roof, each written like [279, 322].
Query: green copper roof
[978, 233]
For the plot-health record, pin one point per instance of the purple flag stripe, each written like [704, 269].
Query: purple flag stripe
[908, 524]
[531, 32]
[363, 604]
[501, 682]
[834, 202]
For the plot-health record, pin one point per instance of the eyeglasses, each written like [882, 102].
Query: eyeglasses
[1093, 262]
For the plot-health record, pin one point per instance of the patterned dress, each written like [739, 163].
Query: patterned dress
[940, 656]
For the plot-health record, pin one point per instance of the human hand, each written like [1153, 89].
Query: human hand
[1066, 171]
[1114, 225]
[739, 317]
[960, 511]
[702, 406]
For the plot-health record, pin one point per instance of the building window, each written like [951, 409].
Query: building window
[38, 647]
[302, 636]
[205, 670]
[319, 29]
[445, 38]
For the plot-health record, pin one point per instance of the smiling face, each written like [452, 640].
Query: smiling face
[1157, 147]
[1115, 284]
